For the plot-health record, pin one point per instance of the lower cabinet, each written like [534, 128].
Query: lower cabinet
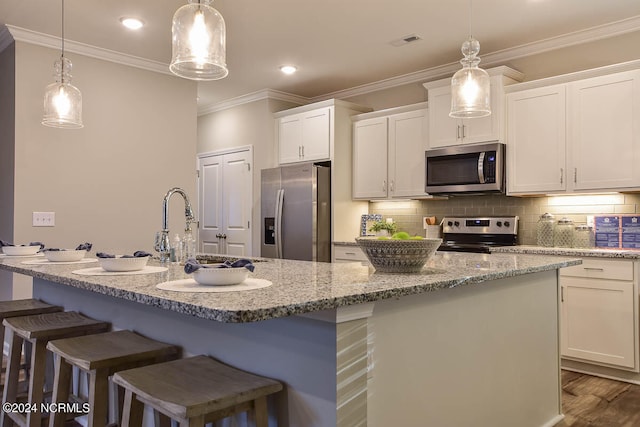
[348, 253]
[599, 312]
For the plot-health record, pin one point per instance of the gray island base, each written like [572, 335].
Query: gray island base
[472, 340]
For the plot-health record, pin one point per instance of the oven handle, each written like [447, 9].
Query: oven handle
[481, 167]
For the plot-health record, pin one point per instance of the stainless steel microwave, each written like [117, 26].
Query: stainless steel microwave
[463, 169]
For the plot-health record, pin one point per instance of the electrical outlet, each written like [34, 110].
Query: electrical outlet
[44, 219]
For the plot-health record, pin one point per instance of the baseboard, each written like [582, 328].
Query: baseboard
[553, 421]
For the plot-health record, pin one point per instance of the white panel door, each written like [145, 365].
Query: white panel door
[604, 132]
[236, 203]
[210, 200]
[536, 140]
[225, 190]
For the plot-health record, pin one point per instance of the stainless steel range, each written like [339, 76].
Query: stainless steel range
[478, 234]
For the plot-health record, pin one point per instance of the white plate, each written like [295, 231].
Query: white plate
[47, 262]
[20, 256]
[190, 285]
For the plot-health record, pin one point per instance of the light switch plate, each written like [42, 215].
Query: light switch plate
[44, 219]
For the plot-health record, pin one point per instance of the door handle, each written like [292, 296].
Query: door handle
[218, 235]
[224, 236]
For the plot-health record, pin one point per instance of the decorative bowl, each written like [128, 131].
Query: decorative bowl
[398, 256]
[20, 250]
[220, 276]
[65, 255]
[123, 264]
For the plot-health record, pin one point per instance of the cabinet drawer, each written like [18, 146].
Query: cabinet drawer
[601, 269]
[349, 253]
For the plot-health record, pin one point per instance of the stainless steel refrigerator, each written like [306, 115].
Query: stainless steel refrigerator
[296, 212]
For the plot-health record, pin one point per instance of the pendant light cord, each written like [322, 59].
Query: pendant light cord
[62, 28]
[470, 16]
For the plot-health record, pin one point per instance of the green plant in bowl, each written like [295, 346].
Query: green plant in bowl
[378, 226]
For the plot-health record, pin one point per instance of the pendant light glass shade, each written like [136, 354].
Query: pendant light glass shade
[470, 86]
[199, 42]
[62, 100]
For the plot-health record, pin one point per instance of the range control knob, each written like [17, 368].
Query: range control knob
[507, 223]
[499, 223]
[456, 223]
[449, 223]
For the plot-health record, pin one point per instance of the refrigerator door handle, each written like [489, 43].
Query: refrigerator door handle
[278, 224]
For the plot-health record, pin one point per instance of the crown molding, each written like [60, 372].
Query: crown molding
[252, 97]
[494, 58]
[45, 40]
[5, 37]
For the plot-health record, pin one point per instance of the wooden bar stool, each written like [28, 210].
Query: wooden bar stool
[101, 355]
[22, 307]
[38, 330]
[195, 391]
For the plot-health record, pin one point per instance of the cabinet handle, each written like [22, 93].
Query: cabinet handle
[391, 185]
[384, 185]
[575, 175]
[561, 293]
[561, 175]
[350, 253]
[299, 151]
[463, 132]
[593, 268]
[458, 132]
[303, 151]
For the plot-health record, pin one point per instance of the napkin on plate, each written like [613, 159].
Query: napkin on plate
[3, 243]
[192, 265]
[136, 254]
[86, 246]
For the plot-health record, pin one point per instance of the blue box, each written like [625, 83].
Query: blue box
[607, 229]
[631, 232]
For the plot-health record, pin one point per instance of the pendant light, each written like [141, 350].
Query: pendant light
[62, 100]
[198, 41]
[470, 86]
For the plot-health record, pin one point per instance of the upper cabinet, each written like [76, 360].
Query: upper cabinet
[388, 153]
[445, 131]
[578, 136]
[305, 136]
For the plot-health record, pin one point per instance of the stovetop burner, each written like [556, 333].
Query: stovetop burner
[478, 234]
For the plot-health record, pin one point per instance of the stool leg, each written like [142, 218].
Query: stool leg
[258, 416]
[98, 396]
[193, 422]
[132, 411]
[36, 382]
[61, 384]
[12, 374]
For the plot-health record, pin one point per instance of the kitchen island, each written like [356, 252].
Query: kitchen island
[471, 340]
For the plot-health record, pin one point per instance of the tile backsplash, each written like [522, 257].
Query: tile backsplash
[408, 214]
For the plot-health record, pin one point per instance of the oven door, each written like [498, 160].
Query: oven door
[465, 169]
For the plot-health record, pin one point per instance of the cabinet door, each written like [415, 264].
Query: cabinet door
[407, 144]
[536, 140]
[370, 158]
[604, 132]
[316, 134]
[598, 321]
[290, 139]
[444, 131]
[486, 128]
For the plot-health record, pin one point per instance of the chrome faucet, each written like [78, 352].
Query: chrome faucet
[162, 244]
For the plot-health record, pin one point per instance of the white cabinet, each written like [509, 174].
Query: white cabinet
[305, 136]
[537, 140]
[577, 136]
[446, 131]
[388, 154]
[604, 132]
[348, 253]
[599, 312]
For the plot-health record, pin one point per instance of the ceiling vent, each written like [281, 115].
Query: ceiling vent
[406, 40]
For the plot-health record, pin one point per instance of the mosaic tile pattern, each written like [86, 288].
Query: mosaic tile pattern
[298, 286]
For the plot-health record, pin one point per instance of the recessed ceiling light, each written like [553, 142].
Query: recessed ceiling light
[288, 69]
[132, 23]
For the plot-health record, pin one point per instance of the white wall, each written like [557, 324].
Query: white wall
[105, 182]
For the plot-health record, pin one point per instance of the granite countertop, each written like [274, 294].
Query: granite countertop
[351, 243]
[298, 286]
[571, 252]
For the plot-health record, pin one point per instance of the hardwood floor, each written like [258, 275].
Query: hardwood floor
[598, 402]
